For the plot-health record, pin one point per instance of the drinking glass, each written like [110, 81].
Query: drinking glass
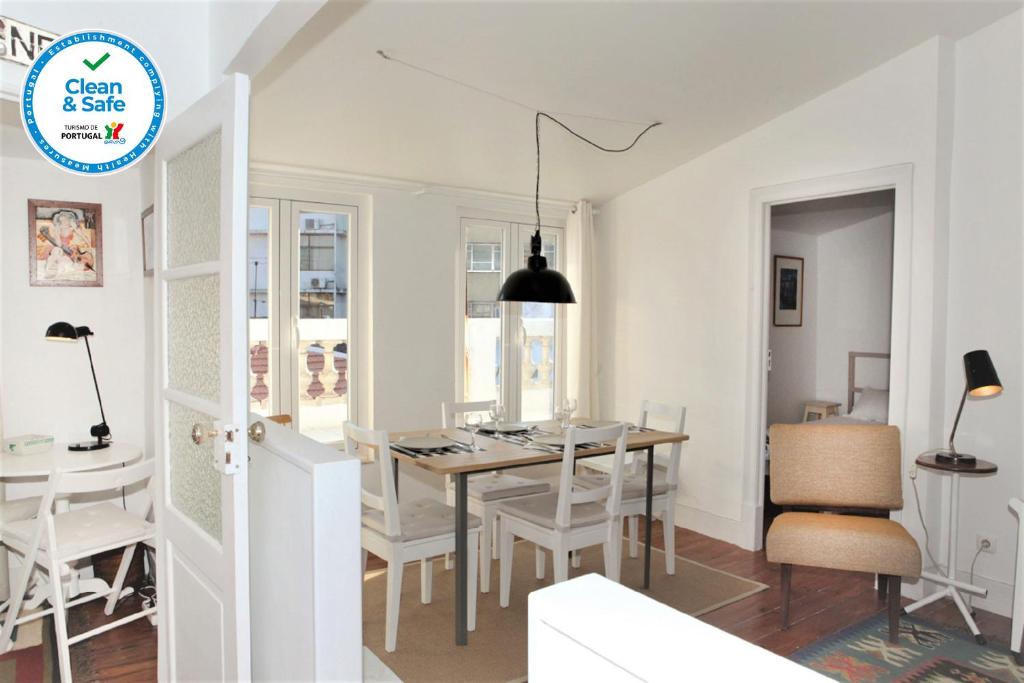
[473, 421]
[562, 416]
[497, 413]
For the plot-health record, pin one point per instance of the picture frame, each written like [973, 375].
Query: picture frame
[788, 291]
[148, 243]
[65, 243]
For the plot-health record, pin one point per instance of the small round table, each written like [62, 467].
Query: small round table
[952, 585]
[41, 464]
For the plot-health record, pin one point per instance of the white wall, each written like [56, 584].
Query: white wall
[985, 291]
[175, 34]
[794, 373]
[854, 305]
[46, 387]
[674, 257]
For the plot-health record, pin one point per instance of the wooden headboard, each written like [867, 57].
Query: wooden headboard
[851, 384]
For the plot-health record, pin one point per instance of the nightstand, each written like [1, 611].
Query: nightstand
[816, 410]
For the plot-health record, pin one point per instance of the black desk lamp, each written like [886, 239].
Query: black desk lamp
[982, 381]
[67, 332]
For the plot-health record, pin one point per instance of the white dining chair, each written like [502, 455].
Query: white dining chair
[634, 487]
[485, 491]
[405, 532]
[53, 541]
[571, 518]
[15, 511]
[1017, 629]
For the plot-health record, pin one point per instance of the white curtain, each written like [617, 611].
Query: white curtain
[581, 356]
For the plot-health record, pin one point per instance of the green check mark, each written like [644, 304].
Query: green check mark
[95, 65]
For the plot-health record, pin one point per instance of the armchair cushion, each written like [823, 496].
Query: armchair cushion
[862, 544]
[839, 465]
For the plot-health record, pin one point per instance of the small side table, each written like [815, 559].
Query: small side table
[817, 410]
[952, 585]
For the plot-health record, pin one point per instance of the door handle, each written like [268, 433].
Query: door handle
[202, 432]
[257, 432]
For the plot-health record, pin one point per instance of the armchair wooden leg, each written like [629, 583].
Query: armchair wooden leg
[894, 608]
[883, 585]
[787, 579]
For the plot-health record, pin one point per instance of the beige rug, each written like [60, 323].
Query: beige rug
[497, 649]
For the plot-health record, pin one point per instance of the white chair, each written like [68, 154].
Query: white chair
[54, 541]
[568, 519]
[634, 487]
[406, 532]
[1017, 632]
[485, 492]
[15, 511]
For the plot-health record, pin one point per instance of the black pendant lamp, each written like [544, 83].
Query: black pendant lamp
[537, 282]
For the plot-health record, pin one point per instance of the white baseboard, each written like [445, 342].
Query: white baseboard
[709, 524]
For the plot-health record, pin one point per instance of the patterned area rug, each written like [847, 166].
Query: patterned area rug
[34, 659]
[926, 653]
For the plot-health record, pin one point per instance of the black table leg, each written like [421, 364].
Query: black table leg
[394, 467]
[461, 565]
[647, 519]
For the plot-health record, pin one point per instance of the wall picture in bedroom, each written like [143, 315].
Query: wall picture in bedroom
[788, 292]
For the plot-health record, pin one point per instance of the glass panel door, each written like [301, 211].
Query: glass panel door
[322, 248]
[539, 335]
[510, 351]
[483, 242]
[263, 216]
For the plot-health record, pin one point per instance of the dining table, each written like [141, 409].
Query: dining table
[497, 451]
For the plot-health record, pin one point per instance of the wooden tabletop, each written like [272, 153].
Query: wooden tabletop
[498, 454]
[979, 466]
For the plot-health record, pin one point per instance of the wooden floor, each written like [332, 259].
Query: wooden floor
[824, 601]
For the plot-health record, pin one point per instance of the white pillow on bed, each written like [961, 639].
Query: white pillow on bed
[872, 405]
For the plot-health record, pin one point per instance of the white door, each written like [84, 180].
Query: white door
[202, 407]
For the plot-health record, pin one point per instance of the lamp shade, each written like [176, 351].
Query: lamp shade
[537, 283]
[982, 379]
[61, 331]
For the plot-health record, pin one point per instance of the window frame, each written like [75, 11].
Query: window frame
[515, 239]
[284, 241]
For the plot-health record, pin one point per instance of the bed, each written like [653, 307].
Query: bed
[865, 403]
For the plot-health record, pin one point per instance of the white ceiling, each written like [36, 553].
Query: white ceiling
[709, 70]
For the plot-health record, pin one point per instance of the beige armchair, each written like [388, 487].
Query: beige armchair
[844, 477]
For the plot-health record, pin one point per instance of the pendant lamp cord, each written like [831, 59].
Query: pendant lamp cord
[535, 246]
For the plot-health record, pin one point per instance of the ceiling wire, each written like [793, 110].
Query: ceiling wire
[490, 93]
[613, 150]
[538, 113]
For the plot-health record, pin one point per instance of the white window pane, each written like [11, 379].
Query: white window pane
[260, 381]
[322, 277]
[538, 353]
[482, 333]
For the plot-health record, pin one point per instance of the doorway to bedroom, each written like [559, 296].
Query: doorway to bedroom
[830, 313]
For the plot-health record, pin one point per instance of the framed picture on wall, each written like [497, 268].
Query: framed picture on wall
[788, 292]
[147, 241]
[65, 244]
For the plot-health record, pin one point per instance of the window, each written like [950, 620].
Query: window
[496, 336]
[483, 257]
[299, 327]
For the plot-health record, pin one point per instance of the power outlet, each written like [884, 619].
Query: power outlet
[986, 544]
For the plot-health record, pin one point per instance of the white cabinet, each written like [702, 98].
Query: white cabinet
[591, 628]
[305, 568]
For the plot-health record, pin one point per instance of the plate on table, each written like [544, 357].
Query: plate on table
[505, 427]
[425, 443]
